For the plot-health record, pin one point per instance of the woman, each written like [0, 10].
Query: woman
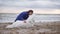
[21, 20]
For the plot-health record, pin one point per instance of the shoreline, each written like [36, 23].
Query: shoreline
[48, 28]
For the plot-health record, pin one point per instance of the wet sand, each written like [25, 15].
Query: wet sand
[42, 28]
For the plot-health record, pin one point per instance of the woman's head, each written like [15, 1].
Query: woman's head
[30, 12]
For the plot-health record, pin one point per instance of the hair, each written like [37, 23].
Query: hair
[30, 11]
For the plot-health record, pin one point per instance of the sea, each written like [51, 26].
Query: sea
[10, 17]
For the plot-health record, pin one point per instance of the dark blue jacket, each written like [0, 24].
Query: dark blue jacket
[22, 16]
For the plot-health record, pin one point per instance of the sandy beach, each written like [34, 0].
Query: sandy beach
[42, 28]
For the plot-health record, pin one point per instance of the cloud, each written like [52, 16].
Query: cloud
[50, 4]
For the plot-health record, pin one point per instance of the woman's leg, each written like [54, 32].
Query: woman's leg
[15, 24]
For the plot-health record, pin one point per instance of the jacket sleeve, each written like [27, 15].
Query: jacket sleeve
[22, 15]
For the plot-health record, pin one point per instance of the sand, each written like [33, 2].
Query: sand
[42, 28]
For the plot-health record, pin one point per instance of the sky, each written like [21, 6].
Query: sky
[42, 6]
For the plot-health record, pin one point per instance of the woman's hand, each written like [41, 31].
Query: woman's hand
[24, 21]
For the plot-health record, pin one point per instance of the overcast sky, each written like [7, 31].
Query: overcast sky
[16, 5]
[51, 4]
